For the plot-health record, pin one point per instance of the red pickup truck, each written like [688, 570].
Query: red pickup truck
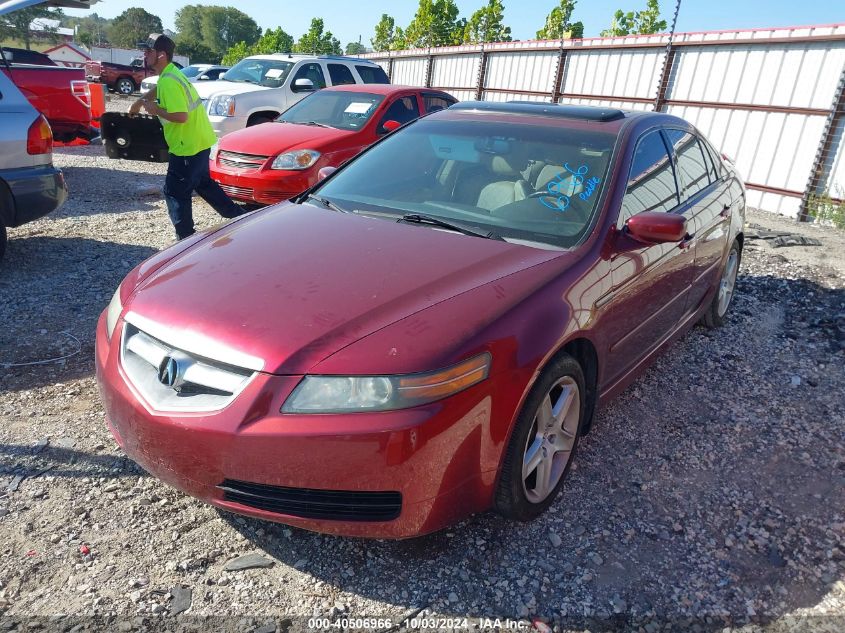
[61, 94]
[118, 77]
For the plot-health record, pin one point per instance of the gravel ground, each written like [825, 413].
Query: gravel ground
[711, 493]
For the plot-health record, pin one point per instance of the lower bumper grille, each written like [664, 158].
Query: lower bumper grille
[237, 192]
[308, 503]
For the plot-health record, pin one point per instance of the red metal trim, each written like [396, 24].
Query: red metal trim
[574, 95]
[749, 106]
[767, 189]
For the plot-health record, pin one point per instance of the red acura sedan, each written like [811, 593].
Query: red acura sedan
[428, 331]
[269, 163]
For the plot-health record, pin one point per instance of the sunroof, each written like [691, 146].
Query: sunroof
[538, 108]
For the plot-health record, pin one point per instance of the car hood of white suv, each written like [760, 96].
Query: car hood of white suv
[207, 88]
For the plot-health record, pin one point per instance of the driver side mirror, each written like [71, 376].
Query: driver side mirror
[657, 227]
[203, 78]
[389, 126]
[221, 76]
[303, 85]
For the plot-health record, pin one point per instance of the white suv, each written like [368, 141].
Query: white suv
[259, 88]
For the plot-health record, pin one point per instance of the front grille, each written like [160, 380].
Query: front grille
[308, 503]
[192, 383]
[237, 192]
[241, 161]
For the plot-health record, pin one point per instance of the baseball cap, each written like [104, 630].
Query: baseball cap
[158, 42]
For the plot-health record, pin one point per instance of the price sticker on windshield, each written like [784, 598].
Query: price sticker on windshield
[358, 108]
[273, 73]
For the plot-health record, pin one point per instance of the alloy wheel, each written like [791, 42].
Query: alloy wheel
[551, 441]
[728, 282]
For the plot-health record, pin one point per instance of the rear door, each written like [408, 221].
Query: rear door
[707, 202]
[650, 282]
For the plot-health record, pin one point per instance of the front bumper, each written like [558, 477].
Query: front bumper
[262, 186]
[36, 191]
[438, 458]
[222, 125]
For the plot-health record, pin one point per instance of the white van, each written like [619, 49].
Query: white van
[259, 88]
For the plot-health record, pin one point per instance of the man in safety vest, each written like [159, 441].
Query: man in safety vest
[189, 137]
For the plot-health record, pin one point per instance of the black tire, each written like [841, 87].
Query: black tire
[716, 312]
[124, 86]
[516, 496]
[3, 239]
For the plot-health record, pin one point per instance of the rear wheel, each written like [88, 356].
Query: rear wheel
[2, 240]
[715, 315]
[544, 441]
[125, 86]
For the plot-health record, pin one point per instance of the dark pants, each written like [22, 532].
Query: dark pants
[186, 174]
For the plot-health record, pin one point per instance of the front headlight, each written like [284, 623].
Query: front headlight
[349, 394]
[222, 105]
[296, 160]
[114, 310]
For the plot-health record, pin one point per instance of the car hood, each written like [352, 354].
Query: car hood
[293, 284]
[207, 88]
[271, 138]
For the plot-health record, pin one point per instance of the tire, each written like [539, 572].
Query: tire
[715, 314]
[551, 440]
[124, 86]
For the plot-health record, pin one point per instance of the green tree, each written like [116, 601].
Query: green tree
[400, 42]
[217, 28]
[132, 26]
[435, 24]
[485, 25]
[197, 52]
[15, 25]
[273, 41]
[636, 22]
[385, 34]
[91, 30]
[558, 23]
[315, 41]
[356, 48]
[235, 54]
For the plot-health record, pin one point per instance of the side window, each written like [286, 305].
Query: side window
[340, 75]
[372, 74]
[690, 163]
[716, 157]
[651, 183]
[433, 103]
[311, 71]
[402, 110]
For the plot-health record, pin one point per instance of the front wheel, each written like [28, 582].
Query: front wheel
[715, 315]
[125, 86]
[543, 442]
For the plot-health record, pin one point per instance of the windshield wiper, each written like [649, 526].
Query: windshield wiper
[419, 218]
[326, 203]
[311, 123]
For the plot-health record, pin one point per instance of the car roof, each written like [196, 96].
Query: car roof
[379, 89]
[295, 57]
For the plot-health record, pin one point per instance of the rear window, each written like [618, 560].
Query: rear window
[341, 75]
[372, 74]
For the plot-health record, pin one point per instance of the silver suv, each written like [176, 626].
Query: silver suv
[30, 186]
[259, 88]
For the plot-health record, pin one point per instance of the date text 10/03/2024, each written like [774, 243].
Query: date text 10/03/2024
[419, 623]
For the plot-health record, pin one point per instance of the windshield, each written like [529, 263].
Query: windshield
[529, 183]
[343, 110]
[192, 71]
[262, 72]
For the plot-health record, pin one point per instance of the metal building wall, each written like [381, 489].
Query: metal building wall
[770, 99]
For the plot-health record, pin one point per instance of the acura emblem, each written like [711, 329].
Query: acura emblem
[168, 371]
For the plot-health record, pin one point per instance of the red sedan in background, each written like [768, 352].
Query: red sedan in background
[428, 331]
[268, 163]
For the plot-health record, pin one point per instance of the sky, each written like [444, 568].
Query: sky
[350, 20]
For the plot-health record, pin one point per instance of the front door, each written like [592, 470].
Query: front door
[649, 282]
